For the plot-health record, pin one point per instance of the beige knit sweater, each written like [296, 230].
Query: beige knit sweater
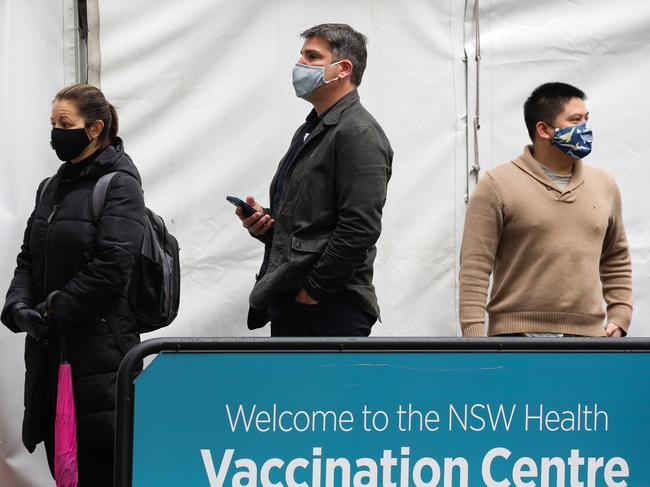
[553, 255]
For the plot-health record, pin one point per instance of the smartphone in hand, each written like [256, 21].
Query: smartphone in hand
[247, 209]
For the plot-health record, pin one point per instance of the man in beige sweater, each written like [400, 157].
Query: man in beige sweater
[549, 229]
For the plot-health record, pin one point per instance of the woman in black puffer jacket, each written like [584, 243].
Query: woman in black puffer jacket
[70, 284]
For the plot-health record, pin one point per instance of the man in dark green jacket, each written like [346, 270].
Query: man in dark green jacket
[326, 201]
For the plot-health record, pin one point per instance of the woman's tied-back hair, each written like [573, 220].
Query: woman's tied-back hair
[92, 106]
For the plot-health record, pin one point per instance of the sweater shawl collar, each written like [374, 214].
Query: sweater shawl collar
[527, 163]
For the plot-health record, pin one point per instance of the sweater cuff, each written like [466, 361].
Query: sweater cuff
[475, 330]
[620, 315]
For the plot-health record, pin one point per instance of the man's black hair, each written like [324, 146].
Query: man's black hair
[546, 102]
[345, 43]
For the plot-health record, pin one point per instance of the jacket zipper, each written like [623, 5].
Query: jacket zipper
[47, 245]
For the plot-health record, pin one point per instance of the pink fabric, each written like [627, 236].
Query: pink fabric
[66, 473]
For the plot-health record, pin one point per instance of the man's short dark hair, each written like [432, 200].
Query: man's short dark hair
[345, 43]
[546, 102]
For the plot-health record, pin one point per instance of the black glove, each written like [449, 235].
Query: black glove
[30, 321]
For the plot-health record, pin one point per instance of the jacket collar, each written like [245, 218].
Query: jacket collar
[111, 158]
[330, 117]
[333, 114]
[527, 163]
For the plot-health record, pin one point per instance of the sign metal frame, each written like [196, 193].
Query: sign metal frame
[132, 363]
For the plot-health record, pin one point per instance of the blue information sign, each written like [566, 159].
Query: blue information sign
[393, 419]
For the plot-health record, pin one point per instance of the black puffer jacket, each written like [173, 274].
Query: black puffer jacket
[83, 269]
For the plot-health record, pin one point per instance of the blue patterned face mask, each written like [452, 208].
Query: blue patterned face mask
[574, 141]
[307, 78]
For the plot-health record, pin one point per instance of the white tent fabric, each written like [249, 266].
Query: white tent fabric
[206, 108]
[31, 72]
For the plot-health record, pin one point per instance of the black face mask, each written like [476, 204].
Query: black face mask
[69, 143]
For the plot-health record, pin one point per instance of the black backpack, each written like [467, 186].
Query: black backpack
[154, 291]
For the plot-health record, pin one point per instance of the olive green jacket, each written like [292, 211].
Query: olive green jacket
[329, 217]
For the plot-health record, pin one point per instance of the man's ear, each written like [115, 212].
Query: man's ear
[544, 131]
[346, 69]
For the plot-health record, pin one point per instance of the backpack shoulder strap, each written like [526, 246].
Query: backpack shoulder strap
[43, 189]
[99, 195]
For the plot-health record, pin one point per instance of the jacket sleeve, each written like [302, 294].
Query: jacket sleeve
[363, 160]
[481, 235]
[21, 289]
[118, 238]
[616, 268]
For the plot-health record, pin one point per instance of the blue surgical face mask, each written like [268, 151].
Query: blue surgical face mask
[574, 141]
[307, 78]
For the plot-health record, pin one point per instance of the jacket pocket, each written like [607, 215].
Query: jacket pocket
[308, 249]
[287, 277]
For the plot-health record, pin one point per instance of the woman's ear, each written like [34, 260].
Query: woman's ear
[95, 129]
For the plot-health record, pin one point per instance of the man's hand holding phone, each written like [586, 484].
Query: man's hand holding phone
[259, 223]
